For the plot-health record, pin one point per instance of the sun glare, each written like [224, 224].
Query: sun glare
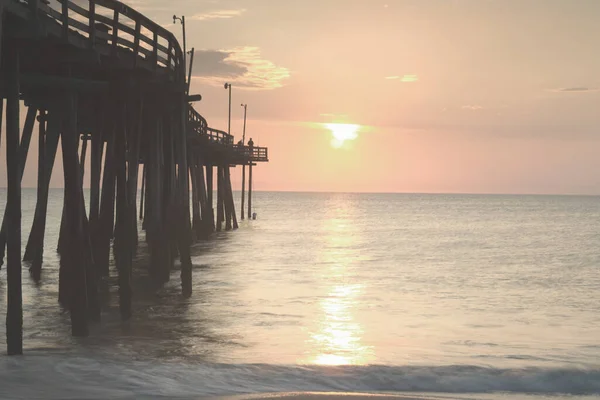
[342, 133]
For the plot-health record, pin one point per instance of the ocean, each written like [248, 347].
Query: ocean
[469, 296]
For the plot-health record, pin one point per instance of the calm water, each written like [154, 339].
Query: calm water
[359, 292]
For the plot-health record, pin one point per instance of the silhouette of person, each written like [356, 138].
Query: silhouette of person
[250, 143]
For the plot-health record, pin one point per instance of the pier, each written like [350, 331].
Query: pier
[98, 74]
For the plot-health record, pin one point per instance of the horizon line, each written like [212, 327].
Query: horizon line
[397, 192]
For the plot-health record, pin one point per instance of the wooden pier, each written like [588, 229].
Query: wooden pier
[98, 74]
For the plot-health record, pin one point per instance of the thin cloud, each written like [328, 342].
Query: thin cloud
[403, 78]
[472, 107]
[218, 14]
[576, 89]
[244, 67]
[409, 78]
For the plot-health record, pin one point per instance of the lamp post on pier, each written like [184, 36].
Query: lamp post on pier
[182, 20]
[228, 86]
[244, 165]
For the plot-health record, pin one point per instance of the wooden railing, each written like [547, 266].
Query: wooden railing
[251, 153]
[197, 125]
[217, 136]
[196, 122]
[112, 23]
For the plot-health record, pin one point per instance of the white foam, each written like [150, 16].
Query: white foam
[65, 377]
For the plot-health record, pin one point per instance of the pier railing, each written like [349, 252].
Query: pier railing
[198, 126]
[196, 122]
[251, 153]
[114, 24]
[217, 136]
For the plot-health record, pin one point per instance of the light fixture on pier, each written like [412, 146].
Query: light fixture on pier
[228, 86]
[182, 19]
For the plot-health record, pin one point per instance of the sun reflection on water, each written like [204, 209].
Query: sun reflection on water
[338, 340]
[337, 337]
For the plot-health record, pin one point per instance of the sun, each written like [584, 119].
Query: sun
[341, 133]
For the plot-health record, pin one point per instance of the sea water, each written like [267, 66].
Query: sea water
[474, 295]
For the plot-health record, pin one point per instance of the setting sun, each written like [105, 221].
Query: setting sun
[342, 133]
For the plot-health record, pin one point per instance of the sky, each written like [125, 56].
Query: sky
[460, 96]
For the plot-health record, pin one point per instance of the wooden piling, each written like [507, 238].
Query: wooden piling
[107, 208]
[142, 191]
[229, 192]
[14, 314]
[73, 259]
[122, 246]
[196, 216]
[209, 197]
[97, 150]
[170, 211]
[35, 245]
[225, 198]
[133, 163]
[22, 157]
[220, 210]
[243, 190]
[205, 207]
[42, 120]
[154, 219]
[82, 157]
[1, 98]
[183, 203]
[250, 190]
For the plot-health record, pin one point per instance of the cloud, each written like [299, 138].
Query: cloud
[472, 107]
[216, 63]
[577, 89]
[242, 66]
[403, 78]
[218, 14]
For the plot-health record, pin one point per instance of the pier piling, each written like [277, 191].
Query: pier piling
[14, 314]
[250, 191]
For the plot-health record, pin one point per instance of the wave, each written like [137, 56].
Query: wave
[61, 376]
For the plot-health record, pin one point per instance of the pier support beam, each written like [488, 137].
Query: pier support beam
[209, 197]
[158, 243]
[243, 190]
[22, 159]
[14, 314]
[122, 246]
[34, 251]
[220, 210]
[205, 207]
[183, 204]
[95, 171]
[250, 191]
[143, 191]
[105, 225]
[225, 192]
[35, 268]
[196, 216]
[229, 199]
[73, 259]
